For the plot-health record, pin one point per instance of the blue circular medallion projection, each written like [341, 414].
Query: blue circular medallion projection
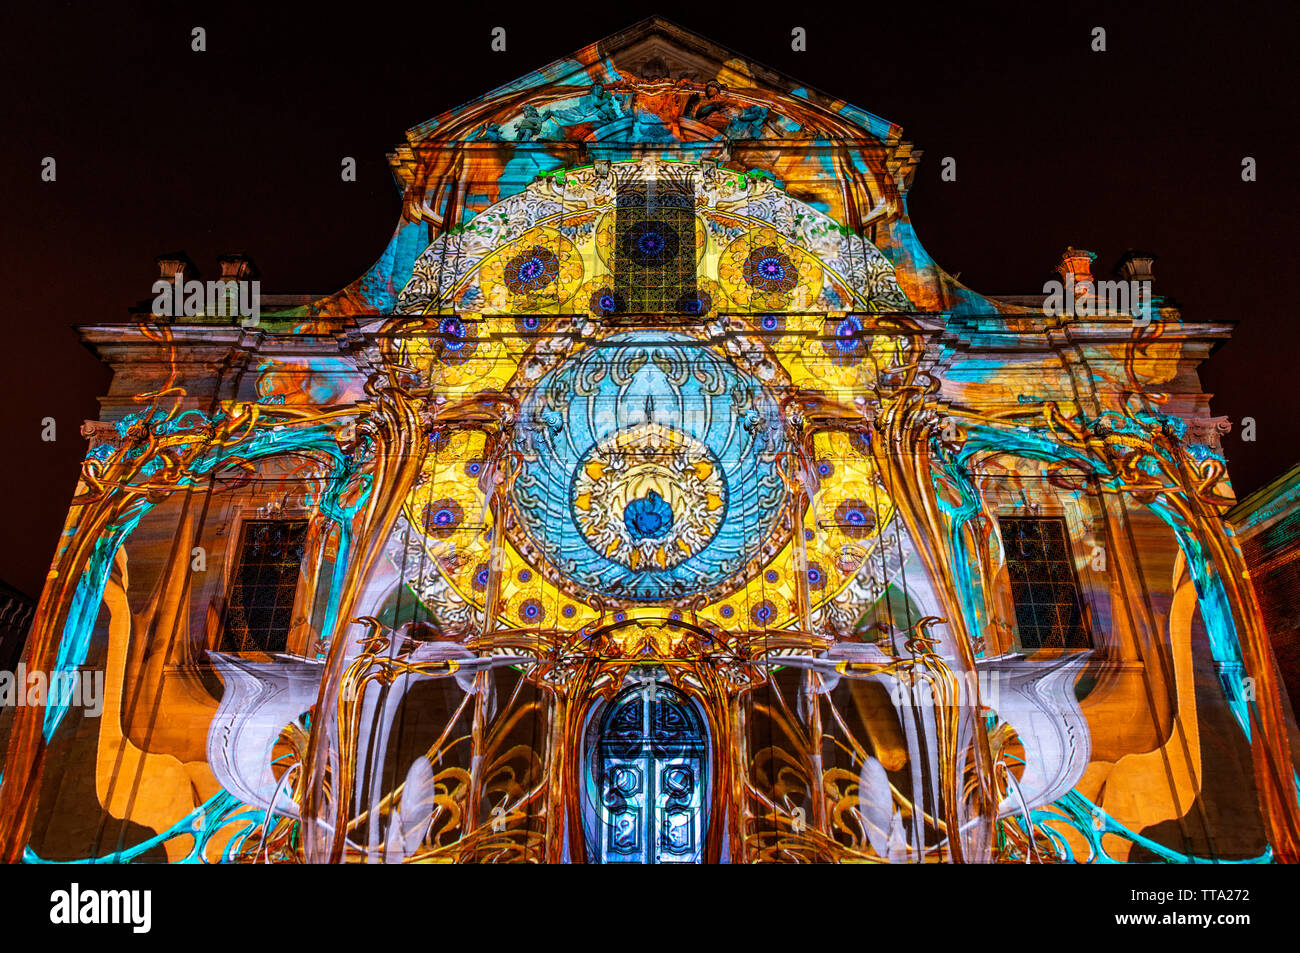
[650, 471]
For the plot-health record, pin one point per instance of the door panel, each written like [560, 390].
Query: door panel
[625, 795]
[679, 811]
[651, 775]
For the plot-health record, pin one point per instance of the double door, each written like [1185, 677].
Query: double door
[651, 776]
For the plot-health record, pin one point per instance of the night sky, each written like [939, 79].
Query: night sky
[238, 149]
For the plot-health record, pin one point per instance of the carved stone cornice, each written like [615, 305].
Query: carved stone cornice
[1208, 431]
[98, 432]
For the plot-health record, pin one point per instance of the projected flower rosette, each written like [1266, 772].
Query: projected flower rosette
[649, 497]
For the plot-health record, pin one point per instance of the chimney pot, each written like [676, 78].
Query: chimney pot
[1076, 262]
[237, 267]
[1135, 266]
[172, 263]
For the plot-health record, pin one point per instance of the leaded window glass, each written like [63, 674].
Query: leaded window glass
[1044, 585]
[265, 580]
[654, 247]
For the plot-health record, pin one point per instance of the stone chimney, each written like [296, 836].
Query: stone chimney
[176, 262]
[237, 267]
[174, 267]
[1075, 269]
[1076, 263]
[1135, 266]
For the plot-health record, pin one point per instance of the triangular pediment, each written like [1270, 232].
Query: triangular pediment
[657, 82]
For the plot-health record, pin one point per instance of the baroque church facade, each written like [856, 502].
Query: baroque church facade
[654, 498]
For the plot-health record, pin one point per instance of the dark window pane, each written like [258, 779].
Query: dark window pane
[654, 247]
[260, 610]
[1044, 587]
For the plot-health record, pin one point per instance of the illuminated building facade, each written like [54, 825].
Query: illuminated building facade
[1267, 527]
[655, 498]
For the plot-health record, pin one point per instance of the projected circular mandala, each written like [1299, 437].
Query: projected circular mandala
[649, 472]
[651, 244]
[649, 497]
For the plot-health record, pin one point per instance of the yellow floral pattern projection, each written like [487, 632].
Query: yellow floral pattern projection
[484, 346]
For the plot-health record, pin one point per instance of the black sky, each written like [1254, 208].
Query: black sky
[238, 149]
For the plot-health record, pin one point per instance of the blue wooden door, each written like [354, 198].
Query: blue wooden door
[651, 772]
